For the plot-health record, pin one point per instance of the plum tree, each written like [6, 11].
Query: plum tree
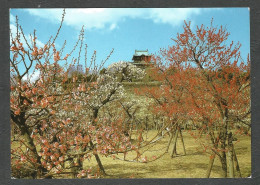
[208, 82]
[57, 115]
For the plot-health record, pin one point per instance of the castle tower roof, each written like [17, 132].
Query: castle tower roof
[141, 52]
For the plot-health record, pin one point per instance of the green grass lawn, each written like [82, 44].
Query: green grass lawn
[193, 165]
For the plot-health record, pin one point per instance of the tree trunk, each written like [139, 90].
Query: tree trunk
[230, 156]
[175, 142]
[100, 165]
[211, 162]
[236, 163]
[182, 140]
[223, 139]
[29, 142]
[223, 157]
[169, 142]
[215, 142]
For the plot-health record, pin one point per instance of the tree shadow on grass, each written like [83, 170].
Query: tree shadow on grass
[139, 172]
[181, 154]
[241, 149]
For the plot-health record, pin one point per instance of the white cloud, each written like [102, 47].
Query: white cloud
[113, 26]
[39, 43]
[108, 18]
[91, 10]
[32, 77]
[173, 16]
[12, 18]
[13, 30]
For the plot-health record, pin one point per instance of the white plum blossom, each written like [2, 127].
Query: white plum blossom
[127, 70]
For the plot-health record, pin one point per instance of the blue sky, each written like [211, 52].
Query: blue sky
[128, 29]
